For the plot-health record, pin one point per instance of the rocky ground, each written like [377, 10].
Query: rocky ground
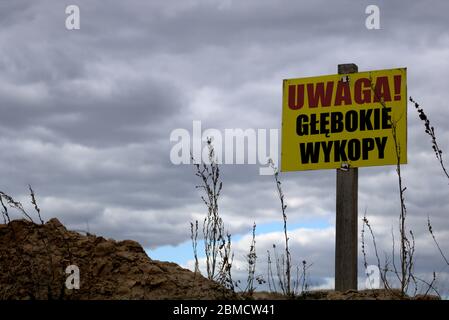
[34, 258]
[377, 294]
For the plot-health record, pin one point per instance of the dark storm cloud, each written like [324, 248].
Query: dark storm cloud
[85, 116]
[13, 12]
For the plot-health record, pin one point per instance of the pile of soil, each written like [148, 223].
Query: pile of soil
[34, 258]
[370, 294]
[373, 294]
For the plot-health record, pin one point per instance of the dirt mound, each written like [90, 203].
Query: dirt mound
[34, 258]
[374, 294]
[369, 294]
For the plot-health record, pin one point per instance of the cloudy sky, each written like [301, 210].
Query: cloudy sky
[86, 117]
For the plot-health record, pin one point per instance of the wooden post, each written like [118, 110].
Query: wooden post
[346, 240]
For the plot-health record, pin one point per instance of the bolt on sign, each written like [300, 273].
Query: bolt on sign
[340, 120]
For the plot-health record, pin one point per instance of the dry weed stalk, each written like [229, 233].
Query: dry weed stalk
[405, 274]
[194, 238]
[217, 243]
[270, 276]
[407, 245]
[430, 130]
[251, 259]
[429, 227]
[284, 261]
[39, 280]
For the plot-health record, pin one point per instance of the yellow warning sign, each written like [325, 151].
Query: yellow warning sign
[357, 119]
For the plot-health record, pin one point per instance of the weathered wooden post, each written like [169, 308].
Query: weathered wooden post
[346, 240]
